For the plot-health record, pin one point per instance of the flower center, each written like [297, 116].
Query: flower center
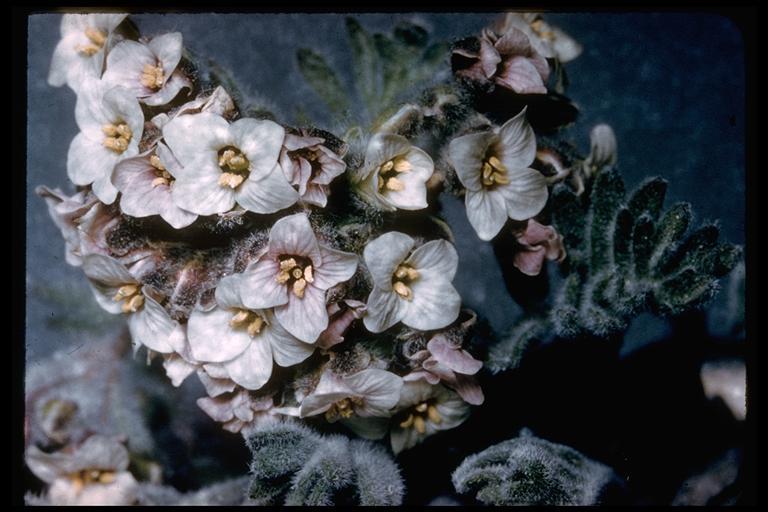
[152, 76]
[118, 136]
[163, 176]
[91, 476]
[494, 172]
[311, 157]
[295, 272]
[97, 39]
[132, 298]
[389, 171]
[344, 408]
[404, 275]
[419, 414]
[249, 320]
[234, 167]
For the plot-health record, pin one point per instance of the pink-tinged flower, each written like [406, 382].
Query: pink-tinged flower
[494, 167]
[423, 410]
[237, 410]
[310, 167]
[111, 124]
[66, 212]
[368, 393]
[341, 315]
[293, 274]
[148, 71]
[79, 56]
[146, 181]
[455, 367]
[223, 164]
[537, 242]
[394, 174]
[410, 285]
[218, 102]
[95, 473]
[117, 291]
[506, 60]
[547, 40]
[241, 340]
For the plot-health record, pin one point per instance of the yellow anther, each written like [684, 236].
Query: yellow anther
[115, 144]
[394, 184]
[155, 162]
[297, 273]
[233, 160]
[433, 414]
[159, 181]
[413, 274]
[308, 275]
[500, 178]
[403, 165]
[89, 49]
[133, 304]
[407, 422]
[496, 164]
[77, 484]
[283, 277]
[487, 171]
[401, 272]
[125, 291]
[231, 180]
[152, 76]
[107, 477]
[422, 407]
[402, 290]
[298, 288]
[225, 156]
[109, 130]
[287, 264]
[388, 166]
[419, 424]
[254, 327]
[239, 318]
[124, 131]
[96, 36]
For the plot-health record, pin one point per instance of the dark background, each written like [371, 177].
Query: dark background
[671, 85]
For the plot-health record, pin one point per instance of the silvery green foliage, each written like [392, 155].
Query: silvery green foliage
[230, 492]
[295, 466]
[627, 256]
[527, 470]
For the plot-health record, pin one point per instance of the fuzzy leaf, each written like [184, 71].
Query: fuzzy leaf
[648, 198]
[607, 194]
[509, 351]
[321, 77]
[531, 471]
[365, 61]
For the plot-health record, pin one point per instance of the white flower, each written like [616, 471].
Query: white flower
[310, 166]
[368, 393]
[66, 213]
[117, 291]
[111, 125]
[145, 182]
[494, 168]
[241, 340]
[79, 56]
[237, 410]
[547, 40]
[412, 286]
[293, 274]
[395, 173]
[423, 410]
[148, 70]
[94, 474]
[223, 164]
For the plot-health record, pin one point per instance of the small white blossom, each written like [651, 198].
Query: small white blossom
[412, 286]
[223, 164]
[293, 274]
[549, 41]
[494, 168]
[310, 166]
[79, 57]
[111, 125]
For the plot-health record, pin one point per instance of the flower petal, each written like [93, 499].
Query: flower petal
[293, 235]
[252, 368]
[457, 360]
[177, 369]
[383, 254]
[260, 140]
[380, 388]
[199, 190]
[106, 271]
[521, 75]
[189, 135]
[525, 194]
[167, 48]
[468, 389]
[337, 267]
[486, 211]
[371, 427]
[286, 349]
[435, 304]
[228, 292]
[383, 147]
[125, 64]
[266, 194]
[104, 189]
[466, 154]
[437, 257]
[383, 310]
[212, 339]
[517, 145]
[215, 386]
[88, 160]
[304, 317]
[152, 327]
[259, 288]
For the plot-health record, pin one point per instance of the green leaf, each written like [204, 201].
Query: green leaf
[509, 351]
[365, 62]
[648, 199]
[642, 245]
[321, 77]
[606, 197]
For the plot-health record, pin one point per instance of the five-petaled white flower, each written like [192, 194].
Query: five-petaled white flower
[223, 164]
[494, 168]
[423, 410]
[95, 473]
[293, 274]
[412, 286]
[111, 125]
[368, 393]
[79, 57]
[310, 166]
[117, 291]
[395, 173]
[145, 182]
[148, 70]
[242, 340]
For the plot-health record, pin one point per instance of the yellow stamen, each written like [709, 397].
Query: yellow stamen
[240, 318]
[297, 273]
[231, 180]
[254, 327]
[433, 414]
[388, 166]
[394, 184]
[408, 422]
[233, 160]
[107, 477]
[152, 76]
[419, 424]
[402, 290]
[159, 181]
[500, 178]
[117, 136]
[97, 37]
[298, 288]
[287, 264]
[125, 291]
[422, 407]
[496, 164]
[403, 165]
[155, 162]
[109, 130]
[78, 484]
[308, 275]
[134, 304]
[283, 277]
[89, 49]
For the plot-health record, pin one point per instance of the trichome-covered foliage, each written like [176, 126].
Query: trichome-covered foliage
[527, 470]
[294, 465]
